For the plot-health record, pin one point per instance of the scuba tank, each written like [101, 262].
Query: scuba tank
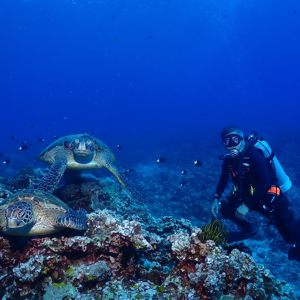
[284, 181]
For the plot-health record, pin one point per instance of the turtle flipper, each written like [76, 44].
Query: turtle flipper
[73, 219]
[126, 184]
[50, 180]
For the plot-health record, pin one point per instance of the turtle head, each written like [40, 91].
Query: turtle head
[83, 149]
[20, 214]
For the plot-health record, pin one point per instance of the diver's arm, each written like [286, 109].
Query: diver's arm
[261, 173]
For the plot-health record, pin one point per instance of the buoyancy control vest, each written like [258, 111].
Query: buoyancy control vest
[284, 181]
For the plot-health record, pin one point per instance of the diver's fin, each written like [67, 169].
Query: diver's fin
[294, 253]
[50, 180]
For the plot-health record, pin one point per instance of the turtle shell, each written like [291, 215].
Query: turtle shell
[43, 199]
[99, 145]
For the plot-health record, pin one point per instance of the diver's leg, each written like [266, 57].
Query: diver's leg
[288, 227]
[228, 210]
[285, 222]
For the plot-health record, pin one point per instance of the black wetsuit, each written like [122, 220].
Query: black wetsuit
[257, 178]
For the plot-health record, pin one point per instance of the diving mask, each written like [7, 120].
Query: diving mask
[231, 140]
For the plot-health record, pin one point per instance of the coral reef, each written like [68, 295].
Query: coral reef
[117, 258]
[127, 253]
[240, 246]
[4, 192]
[22, 179]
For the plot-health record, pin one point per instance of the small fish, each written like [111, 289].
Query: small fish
[160, 160]
[40, 140]
[130, 170]
[31, 125]
[13, 136]
[91, 131]
[119, 147]
[197, 163]
[7, 161]
[56, 137]
[24, 147]
[181, 184]
[184, 172]
[26, 143]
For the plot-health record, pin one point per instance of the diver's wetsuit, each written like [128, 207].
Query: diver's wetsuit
[257, 178]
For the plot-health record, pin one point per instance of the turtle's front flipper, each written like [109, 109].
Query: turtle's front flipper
[73, 219]
[127, 185]
[50, 180]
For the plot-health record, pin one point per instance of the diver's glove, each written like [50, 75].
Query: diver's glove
[241, 211]
[215, 207]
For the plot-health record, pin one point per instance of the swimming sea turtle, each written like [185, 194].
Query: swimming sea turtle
[79, 152]
[34, 212]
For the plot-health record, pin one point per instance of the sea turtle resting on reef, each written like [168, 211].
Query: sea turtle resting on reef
[79, 152]
[33, 212]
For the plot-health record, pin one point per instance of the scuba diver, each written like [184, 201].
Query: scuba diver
[259, 184]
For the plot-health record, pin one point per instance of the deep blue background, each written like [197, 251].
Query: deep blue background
[141, 72]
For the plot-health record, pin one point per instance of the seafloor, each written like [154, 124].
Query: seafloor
[155, 250]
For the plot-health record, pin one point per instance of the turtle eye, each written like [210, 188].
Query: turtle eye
[21, 214]
[77, 141]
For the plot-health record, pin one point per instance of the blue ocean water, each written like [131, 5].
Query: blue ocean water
[160, 78]
[140, 72]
